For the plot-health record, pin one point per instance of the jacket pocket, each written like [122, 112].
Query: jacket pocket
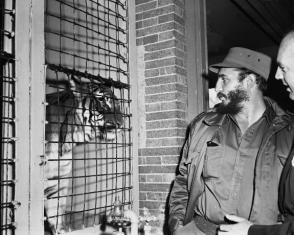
[213, 162]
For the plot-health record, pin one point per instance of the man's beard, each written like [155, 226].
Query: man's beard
[234, 106]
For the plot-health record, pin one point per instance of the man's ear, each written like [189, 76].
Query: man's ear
[250, 81]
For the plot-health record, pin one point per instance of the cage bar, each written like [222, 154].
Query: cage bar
[8, 138]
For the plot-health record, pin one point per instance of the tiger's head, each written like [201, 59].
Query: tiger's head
[100, 112]
[86, 112]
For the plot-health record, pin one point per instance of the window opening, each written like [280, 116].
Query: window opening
[88, 129]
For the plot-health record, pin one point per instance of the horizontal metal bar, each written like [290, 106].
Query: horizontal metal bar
[90, 176]
[91, 77]
[106, 191]
[117, 159]
[7, 183]
[117, 55]
[7, 161]
[92, 209]
[108, 67]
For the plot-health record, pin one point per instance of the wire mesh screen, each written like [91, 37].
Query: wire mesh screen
[88, 142]
[7, 73]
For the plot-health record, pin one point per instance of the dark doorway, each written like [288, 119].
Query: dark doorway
[254, 24]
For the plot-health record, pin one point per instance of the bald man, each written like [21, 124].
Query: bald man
[285, 73]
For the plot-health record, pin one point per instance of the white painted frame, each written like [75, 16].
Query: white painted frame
[197, 62]
[134, 103]
[30, 116]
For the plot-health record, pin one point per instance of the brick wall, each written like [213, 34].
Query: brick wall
[162, 96]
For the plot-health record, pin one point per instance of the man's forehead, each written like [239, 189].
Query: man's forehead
[285, 54]
[223, 71]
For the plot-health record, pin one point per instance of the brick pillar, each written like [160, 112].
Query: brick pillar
[162, 96]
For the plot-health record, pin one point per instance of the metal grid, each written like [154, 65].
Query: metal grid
[7, 73]
[88, 141]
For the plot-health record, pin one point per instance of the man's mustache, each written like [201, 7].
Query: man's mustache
[221, 95]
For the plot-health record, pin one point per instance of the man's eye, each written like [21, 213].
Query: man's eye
[282, 68]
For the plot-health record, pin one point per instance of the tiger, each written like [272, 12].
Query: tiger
[77, 114]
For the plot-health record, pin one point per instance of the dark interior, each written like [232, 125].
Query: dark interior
[254, 24]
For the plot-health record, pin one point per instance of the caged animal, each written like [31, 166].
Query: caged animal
[78, 114]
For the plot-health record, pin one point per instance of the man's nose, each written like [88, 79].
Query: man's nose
[218, 86]
[279, 74]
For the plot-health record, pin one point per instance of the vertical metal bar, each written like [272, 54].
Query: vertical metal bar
[2, 18]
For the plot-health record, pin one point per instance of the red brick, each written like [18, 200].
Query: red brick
[170, 160]
[161, 63]
[165, 124]
[179, 19]
[165, 88]
[160, 54]
[151, 73]
[172, 105]
[179, 11]
[159, 151]
[153, 178]
[153, 187]
[156, 169]
[142, 178]
[150, 204]
[159, 11]
[161, 80]
[161, 45]
[153, 107]
[156, 196]
[176, 70]
[155, 29]
[139, 41]
[179, 36]
[150, 39]
[180, 54]
[146, 6]
[155, 160]
[177, 96]
[180, 45]
[139, 24]
[167, 35]
[165, 142]
[166, 133]
[166, 18]
[149, 22]
[180, 3]
[164, 63]
[165, 115]
[139, 16]
[168, 178]
[142, 196]
[141, 160]
[142, 1]
[178, 27]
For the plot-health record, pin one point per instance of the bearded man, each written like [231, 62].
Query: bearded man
[233, 154]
